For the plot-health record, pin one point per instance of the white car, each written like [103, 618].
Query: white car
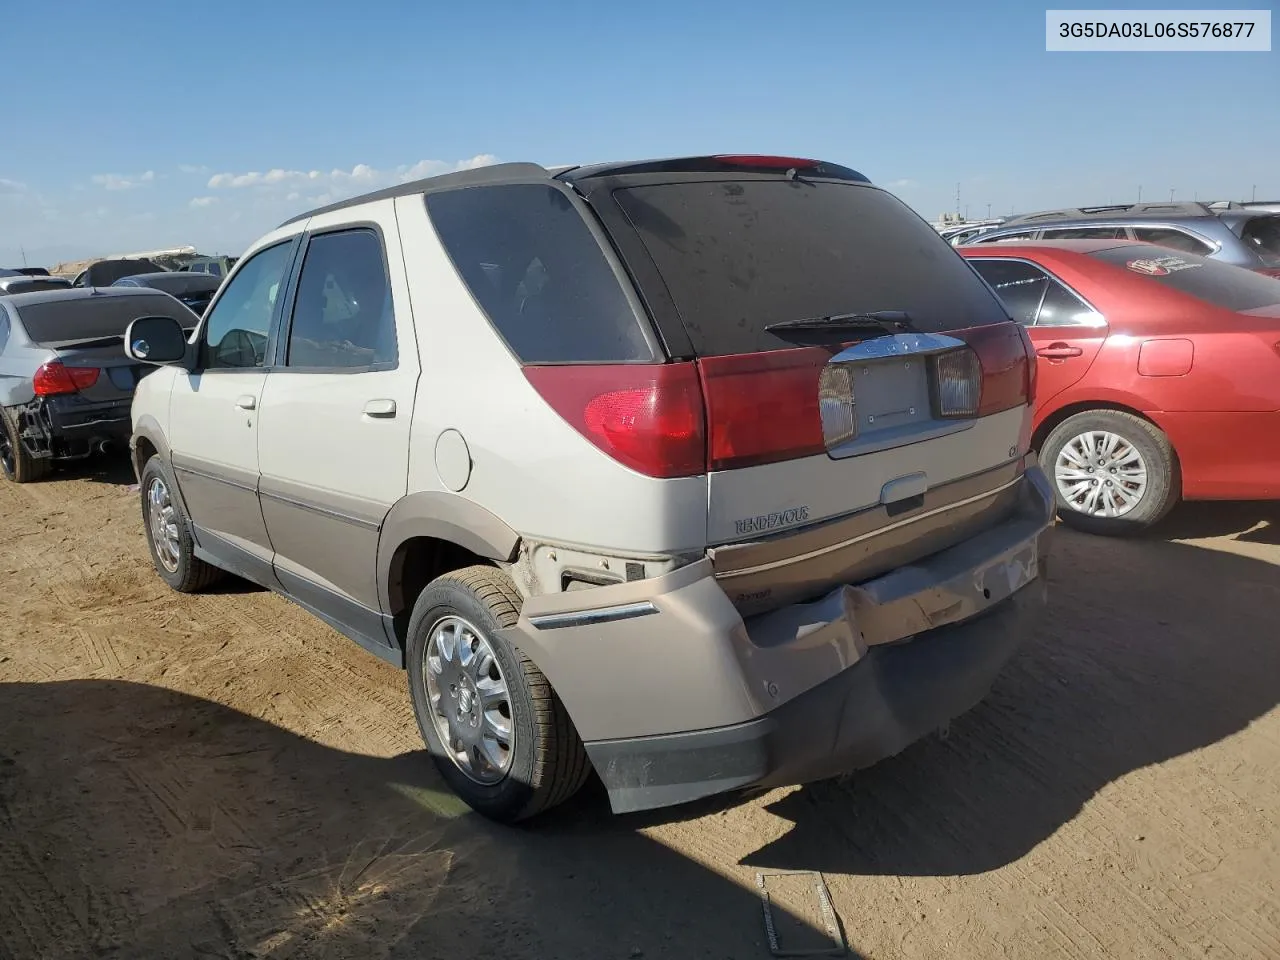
[704, 473]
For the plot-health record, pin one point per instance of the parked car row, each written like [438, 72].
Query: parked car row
[1247, 236]
[535, 435]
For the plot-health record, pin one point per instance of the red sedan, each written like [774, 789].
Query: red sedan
[1159, 375]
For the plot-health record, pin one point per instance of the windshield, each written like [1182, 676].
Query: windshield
[1221, 284]
[89, 318]
[1262, 235]
[740, 255]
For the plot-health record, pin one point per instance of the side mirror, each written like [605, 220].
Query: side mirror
[155, 340]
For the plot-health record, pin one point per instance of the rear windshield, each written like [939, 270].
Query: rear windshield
[537, 272]
[1215, 282]
[1262, 235]
[89, 318]
[106, 272]
[739, 255]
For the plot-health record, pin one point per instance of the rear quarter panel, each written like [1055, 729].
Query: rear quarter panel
[528, 467]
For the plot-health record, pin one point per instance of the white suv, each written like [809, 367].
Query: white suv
[704, 473]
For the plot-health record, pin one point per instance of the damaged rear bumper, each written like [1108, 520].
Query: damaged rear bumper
[67, 427]
[677, 697]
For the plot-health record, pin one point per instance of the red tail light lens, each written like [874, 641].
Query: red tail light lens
[54, 378]
[648, 417]
[763, 407]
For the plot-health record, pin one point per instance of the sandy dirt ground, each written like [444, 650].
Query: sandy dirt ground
[224, 777]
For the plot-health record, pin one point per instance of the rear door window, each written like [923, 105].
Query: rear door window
[1221, 284]
[342, 313]
[1085, 233]
[1262, 235]
[540, 276]
[738, 255]
[1018, 284]
[1062, 308]
[1173, 239]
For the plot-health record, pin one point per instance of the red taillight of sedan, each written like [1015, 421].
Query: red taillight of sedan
[54, 378]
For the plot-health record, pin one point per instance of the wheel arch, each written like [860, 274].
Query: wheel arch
[1069, 410]
[429, 534]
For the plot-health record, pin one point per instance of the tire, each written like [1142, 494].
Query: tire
[1142, 445]
[546, 763]
[184, 572]
[16, 463]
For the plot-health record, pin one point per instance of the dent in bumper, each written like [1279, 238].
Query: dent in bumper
[892, 697]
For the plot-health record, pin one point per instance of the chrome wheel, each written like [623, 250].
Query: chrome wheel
[1101, 474]
[162, 518]
[470, 702]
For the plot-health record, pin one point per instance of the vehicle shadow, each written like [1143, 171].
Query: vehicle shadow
[114, 468]
[1247, 521]
[136, 821]
[1151, 650]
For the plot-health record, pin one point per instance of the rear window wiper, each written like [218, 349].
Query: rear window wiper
[877, 321]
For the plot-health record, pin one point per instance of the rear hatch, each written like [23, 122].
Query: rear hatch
[1262, 236]
[855, 396]
[865, 393]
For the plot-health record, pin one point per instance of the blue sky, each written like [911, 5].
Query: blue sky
[173, 125]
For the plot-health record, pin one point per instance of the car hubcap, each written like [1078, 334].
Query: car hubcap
[470, 703]
[1101, 474]
[163, 521]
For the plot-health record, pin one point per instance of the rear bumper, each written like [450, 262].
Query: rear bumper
[891, 697]
[678, 697]
[74, 426]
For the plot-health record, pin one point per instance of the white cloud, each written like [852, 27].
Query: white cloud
[342, 182]
[12, 186]
[902, 184]
[116, 181]
[203, 201]
[192, 169]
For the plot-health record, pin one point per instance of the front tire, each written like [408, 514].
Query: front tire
[1113, 473]
[16, 463]
[496, 730]
[168, 529]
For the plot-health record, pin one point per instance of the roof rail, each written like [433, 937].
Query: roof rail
[1113, 211]
[494, 173]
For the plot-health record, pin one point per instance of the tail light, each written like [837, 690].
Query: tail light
[763, 407]
[721, 413]
[54, 378]
[1005, 361]
[649, 417]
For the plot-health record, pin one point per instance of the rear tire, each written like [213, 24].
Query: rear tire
[1113, 473]
[173, 550]
[456, 699]
[16, 463]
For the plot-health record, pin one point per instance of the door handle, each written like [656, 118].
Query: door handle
[380, 408]
[246, 401]
[1059, 351]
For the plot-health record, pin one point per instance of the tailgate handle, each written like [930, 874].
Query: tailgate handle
[246, 401]
[1059, 351]
[904, 488]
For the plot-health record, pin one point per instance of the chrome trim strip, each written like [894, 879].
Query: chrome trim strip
[870, 534]
[583, 618]
[182, 468]
[897, 345]
[319, 510]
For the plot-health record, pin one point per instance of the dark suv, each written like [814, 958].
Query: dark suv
[1244, 236]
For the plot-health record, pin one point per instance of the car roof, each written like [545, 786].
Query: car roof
[524, 172]
[1117, 211]
[1052, 247]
